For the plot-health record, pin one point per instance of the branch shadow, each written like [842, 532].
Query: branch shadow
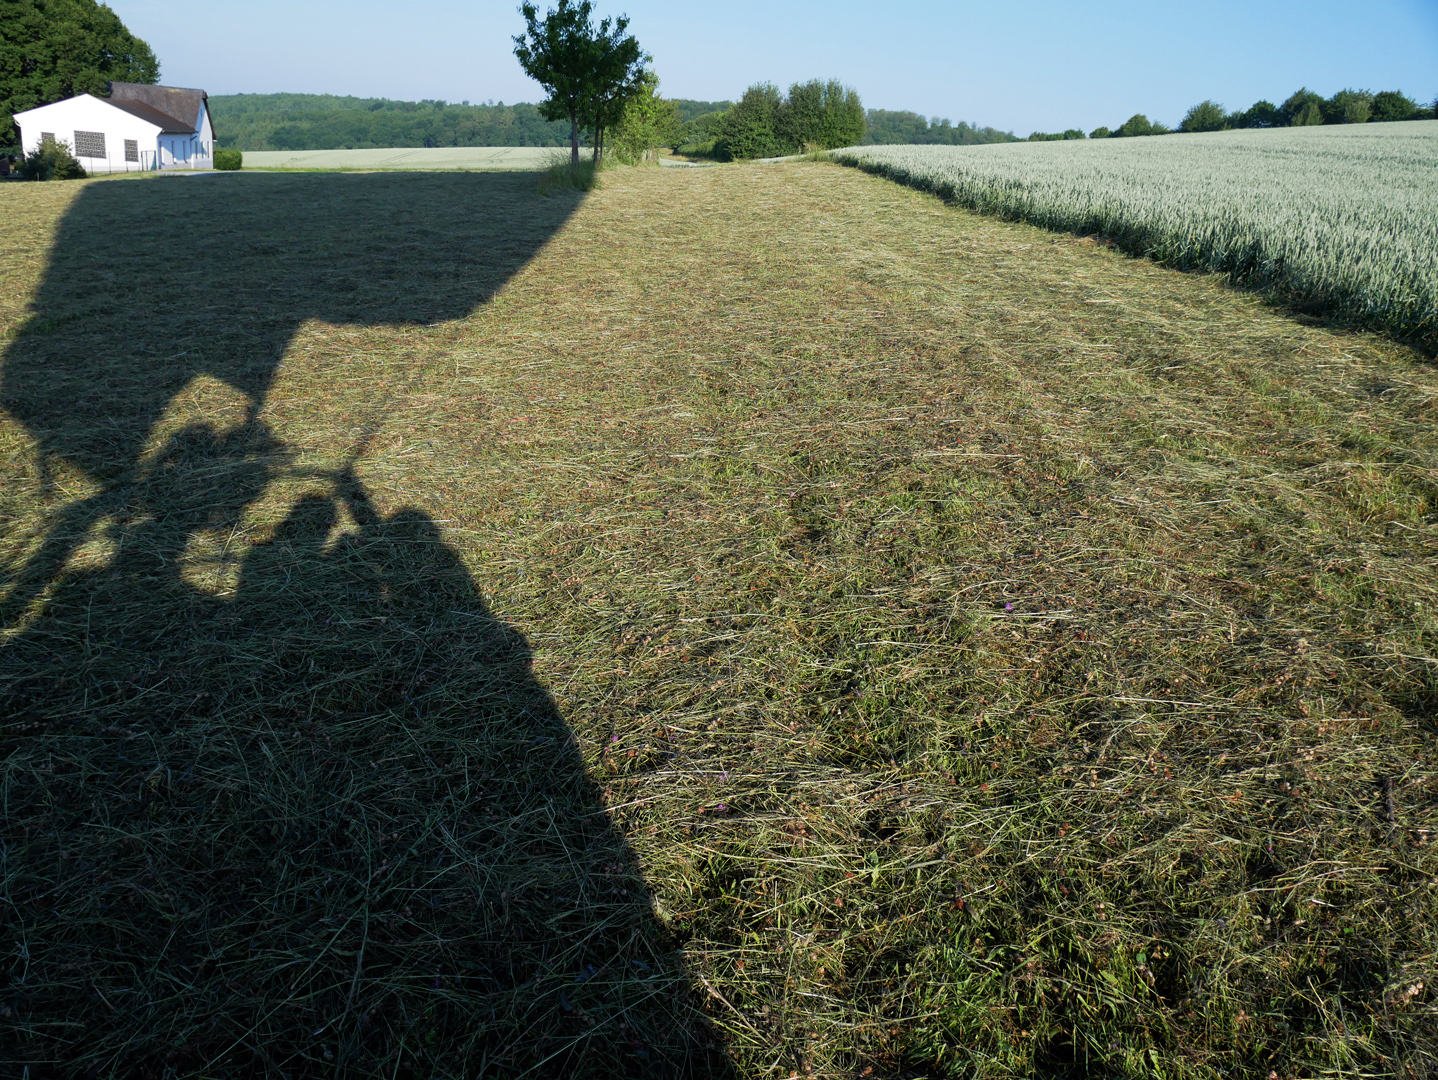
[330, 824]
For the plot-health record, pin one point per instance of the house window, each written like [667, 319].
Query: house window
[132, 149]
[47, 136]
[90, 144]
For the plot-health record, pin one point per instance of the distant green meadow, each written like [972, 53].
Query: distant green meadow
[1341, 217]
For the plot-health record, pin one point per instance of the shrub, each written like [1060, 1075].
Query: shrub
[751, 126]
[1205, 116]
[1100, 133]
[51, 160]
[229, 160]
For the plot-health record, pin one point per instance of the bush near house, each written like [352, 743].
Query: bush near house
[52, 160]
[229, 160]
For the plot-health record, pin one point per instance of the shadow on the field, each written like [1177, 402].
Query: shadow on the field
[328, 823]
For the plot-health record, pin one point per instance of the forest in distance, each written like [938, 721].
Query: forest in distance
[332, 122]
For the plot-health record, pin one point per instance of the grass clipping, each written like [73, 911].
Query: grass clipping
[790, 627]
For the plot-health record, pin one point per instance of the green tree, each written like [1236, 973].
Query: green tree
[1261, 114]
[751, 126]
[51, 50]
[1100, 133]
[618, 66]
[1303, 103]
[648, 122]
[587, 71]
[821, 115]
[1348, 107]
[1391, 105]
[1205, 116]
[1137, 124]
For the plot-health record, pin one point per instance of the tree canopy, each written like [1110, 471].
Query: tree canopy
[765, 123]
[588, 71]
[51, 50]
[1391, 105]
[648, 122]
[1205, 116]
[329, 122]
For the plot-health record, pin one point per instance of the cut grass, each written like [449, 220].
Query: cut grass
[1000, 657]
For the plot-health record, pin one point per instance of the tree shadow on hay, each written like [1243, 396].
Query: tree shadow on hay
[329, 824]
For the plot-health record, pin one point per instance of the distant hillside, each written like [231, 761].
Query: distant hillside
[327, 122]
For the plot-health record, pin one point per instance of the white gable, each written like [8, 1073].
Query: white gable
[204, 125]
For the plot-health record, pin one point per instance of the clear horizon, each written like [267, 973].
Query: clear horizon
[1032, 65]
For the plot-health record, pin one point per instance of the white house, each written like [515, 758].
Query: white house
[136, 128]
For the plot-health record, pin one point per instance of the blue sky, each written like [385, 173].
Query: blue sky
[1021, 66]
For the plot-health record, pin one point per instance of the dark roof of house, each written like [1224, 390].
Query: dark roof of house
[168, 124]
[180, 105]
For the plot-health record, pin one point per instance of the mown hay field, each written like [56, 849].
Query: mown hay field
[747, 621]
[1341, 219]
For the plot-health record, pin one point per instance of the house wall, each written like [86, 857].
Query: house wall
[87, 113]
[205, 157]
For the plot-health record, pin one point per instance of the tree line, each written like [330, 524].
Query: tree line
[1302, 108]
[328, 122]
[817, 115]
[331, 122]
[887, 127]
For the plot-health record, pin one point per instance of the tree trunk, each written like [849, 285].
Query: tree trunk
[573, 140]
